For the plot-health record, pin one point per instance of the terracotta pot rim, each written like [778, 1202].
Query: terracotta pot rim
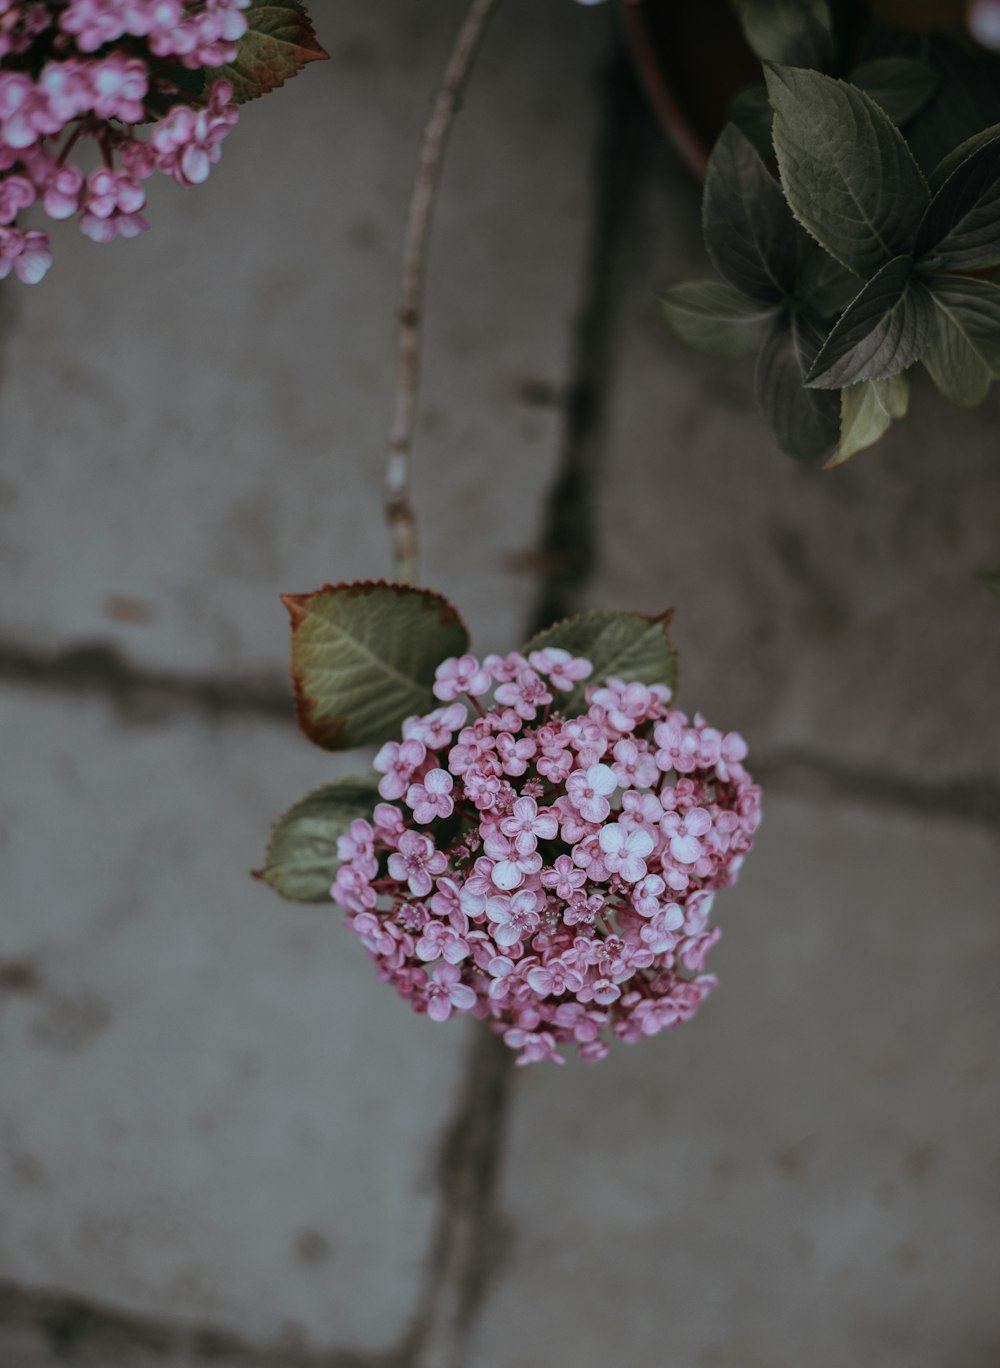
[692, 149]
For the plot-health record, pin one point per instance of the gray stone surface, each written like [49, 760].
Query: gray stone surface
[194, 422]
[833, 612]
[807, 1174]
[209, 1107]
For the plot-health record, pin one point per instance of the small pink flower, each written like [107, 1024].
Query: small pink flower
[416, 861]
[446, 990]
[461, 675]
[588, 791]
[526, 826]
[625, 851]
[398, 762]
[431, 798]
[512, 918]
[684, 832]
[526, 693]
[564, 878]
[563, 670]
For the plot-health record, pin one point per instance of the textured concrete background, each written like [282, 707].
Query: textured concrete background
[220, 1142]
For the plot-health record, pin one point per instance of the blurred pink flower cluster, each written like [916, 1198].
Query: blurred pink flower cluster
[553, 873]
[86, 72]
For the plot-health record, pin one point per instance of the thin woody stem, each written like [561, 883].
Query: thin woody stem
[398, 506]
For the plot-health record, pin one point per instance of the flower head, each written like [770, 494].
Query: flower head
[550, 873]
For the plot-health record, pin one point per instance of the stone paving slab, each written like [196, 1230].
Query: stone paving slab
[833, 612]
[210, 1111]
[808, 1173]
[194, 422]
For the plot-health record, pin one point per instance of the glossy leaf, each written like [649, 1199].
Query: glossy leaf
[845, 169]
[961, 153]
[278, 43]
[825, 288]
[884, 330]
[716, 318]
[750, 234]
[301, 861]
[901, 85]
[866, 412]
[805, 422]
[961, 229]
[364, 657]
[627, 646]
[963, 355]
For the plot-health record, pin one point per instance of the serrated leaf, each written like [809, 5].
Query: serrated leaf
[364, 657]
[884, 330]
[866, 412]
[628, 646]
[901, 85]
[750, 111]
[845, 169]
[750, 234]
[301, 861]
[991, 580]
[961, 229]
[278, 43]
[963, 355]
[825, 288]
[798, 32]
[961, 153]
[966, 101]
[806, 423]
[716, 318]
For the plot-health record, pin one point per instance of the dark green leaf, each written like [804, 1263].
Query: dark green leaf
[866, 411]
[961, 229]
[881, 332]
[845, 169]
[301, 861]
[825, 287]
[966, 101]
[750, 110]
[627, 646]
[805, 422]
[716, 318]
[991, 579]
[279, 41]
[364, 657]
[963, 355]
[961, 153]
[901, 85]
[794, 31]
[750, 233]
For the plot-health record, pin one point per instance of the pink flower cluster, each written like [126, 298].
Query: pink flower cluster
[80, 71]
[551, 873]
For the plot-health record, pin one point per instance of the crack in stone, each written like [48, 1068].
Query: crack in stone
[621, 159]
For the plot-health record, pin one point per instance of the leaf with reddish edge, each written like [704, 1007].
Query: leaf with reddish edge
[364, 657]
[279, 42]
[627, 646]
[301, 861]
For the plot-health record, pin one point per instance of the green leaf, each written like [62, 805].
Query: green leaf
[805, 422]
[798, 32]
[845, 169]
[628, 646]
[901, 85]
[750, 234]
[880, 333]
[750, 110]
[961, 153]
[301, 861]
[278, 43]
[963, 356]
[716, 318]
[825, 287]
[866, 411]
[966, 101]
[961, 229]
[991, 580]
[364, 657]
